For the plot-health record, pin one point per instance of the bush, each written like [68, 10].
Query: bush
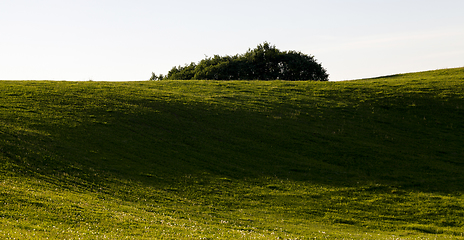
[265, 62]
[155, 77]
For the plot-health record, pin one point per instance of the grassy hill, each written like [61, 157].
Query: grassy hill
[378, 158]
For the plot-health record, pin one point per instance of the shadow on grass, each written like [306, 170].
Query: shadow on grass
[176, 140]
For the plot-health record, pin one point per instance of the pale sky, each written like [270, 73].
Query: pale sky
[126, 40]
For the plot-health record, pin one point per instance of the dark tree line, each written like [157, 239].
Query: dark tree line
[265, 62]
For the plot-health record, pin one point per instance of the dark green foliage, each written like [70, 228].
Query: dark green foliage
[265, 62]
[155, 77]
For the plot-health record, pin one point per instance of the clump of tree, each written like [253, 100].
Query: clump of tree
[265, 62]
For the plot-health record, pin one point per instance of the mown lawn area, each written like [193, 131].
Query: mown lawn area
[376, 158]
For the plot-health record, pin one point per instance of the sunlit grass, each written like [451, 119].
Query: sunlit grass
[367, 159]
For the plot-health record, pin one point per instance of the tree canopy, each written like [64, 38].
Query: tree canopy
[265, 62]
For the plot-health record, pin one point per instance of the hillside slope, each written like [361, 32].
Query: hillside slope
[254, 159]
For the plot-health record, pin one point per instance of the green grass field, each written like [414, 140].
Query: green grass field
[378, 158]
